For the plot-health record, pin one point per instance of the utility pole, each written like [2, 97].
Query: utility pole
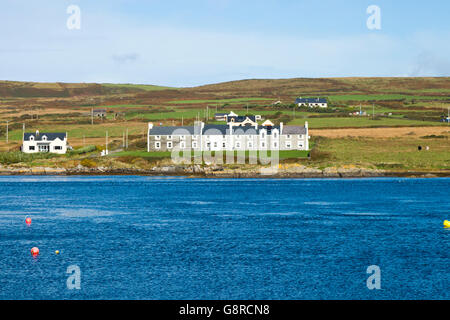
[182, 120]
[123, 140]
[106, 151]
[373, 111]
[92, 116]
[247, 108]
[7, 134]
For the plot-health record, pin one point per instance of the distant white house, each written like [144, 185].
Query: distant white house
[233, 117]
[44, 142]
[312, 102]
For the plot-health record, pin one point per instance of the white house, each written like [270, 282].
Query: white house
[233, 117]
[312, 102]
[44, 142]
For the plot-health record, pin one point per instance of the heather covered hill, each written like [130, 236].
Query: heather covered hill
[63, 90]
[437, 86]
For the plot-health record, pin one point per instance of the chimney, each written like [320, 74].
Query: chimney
[281, 128]
[37, 133]
[150, 126]
[200, 125]
[306, 125]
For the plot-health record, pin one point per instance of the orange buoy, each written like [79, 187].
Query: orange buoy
[28, 220]
[34, 251]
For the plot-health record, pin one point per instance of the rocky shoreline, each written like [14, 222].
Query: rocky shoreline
[197, 171]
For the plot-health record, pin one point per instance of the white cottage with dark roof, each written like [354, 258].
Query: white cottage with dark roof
[44, 142]
[232, 136]
[312, 102]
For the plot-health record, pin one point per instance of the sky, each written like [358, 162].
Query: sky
[189, 43]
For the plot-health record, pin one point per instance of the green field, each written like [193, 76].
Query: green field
[382, 97]
[88, 131]
[389, 154]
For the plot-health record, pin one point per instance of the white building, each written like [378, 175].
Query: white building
[245, 135]
[312, 102]
[233, 117]
[44, 142]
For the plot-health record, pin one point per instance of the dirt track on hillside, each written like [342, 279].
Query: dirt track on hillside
[381, 132]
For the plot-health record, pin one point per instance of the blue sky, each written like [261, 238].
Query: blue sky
[187, 43]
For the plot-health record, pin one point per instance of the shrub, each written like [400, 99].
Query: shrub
[88, 163]
[18, 156]
[82, 150]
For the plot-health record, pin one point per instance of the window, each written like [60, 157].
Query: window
[300, 136]
[275, 135]
[194, 137]
[157, 137]
[44, 138]
[263, 135]
[31, 148]
[169, 145]
[182, 145]
[263, 144]
[157, 145]
[250, 144]
[275, 145]
[58, 148]
[215, 144]
[288, 136]
[169, 137]
[288, 145]
[224, 145]
[300, 144]
[31, 138]
[194, 144]
[238, 144]
[183, 137]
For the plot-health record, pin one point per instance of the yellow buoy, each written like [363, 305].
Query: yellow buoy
[446, 224]
[57, 252]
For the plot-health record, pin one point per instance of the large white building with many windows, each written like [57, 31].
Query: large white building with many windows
[245, 134]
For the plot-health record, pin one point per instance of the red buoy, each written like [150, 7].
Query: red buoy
[34, 251]
[28, 220]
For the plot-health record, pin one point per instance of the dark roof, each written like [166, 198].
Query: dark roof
[99, 110]
[311, 100]
[294, 130]
[220, 114]
[216, 129]
[167, 131]
[223, 129]
[242, 118]
[50, 136]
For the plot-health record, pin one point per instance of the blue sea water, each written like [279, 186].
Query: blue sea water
[180, 238]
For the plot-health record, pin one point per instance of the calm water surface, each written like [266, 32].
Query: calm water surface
[179, 238]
